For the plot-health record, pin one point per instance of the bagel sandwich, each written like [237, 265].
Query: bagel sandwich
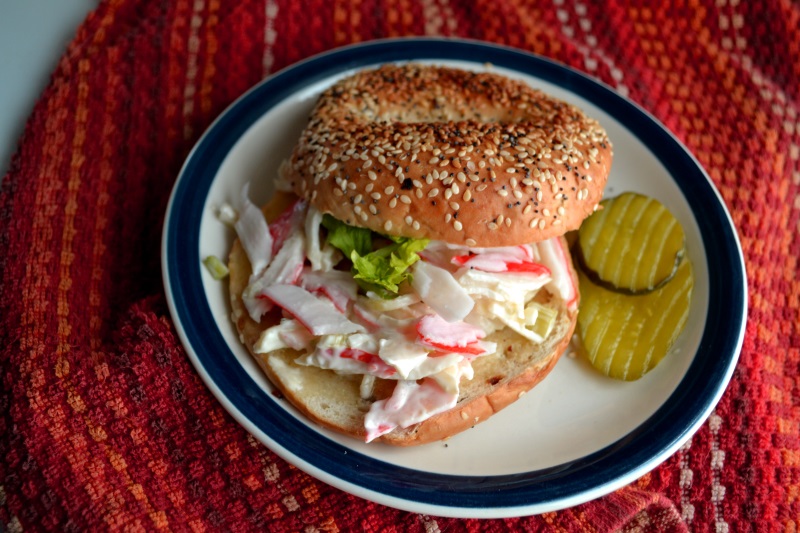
[410, 277]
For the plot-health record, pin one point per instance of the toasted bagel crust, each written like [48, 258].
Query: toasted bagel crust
[469, 158]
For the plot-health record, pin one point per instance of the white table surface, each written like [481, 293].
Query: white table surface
[33, 36]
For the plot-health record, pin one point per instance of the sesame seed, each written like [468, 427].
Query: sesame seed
[541, 224]
[433, 192]
[502, 192]
[560, 210]
[481, 187]
[467, 195]
[517, 194]
[388, 190]
[508, 222]
[455, 188]
[393, 203]
[387, 225]
[471, 242]
[433, 160]
[492, 226]
[447, 218]
[527, 209]
[533, 223]
[372, 175]
[448, 193]
[415, 225]
[454, 206]
[457, 225]
[461, 177]
[418, 193]
[408, 219]
[546, 212]
[539, 196]
[373, 209]
[369, 187]
[405, 199]
[357, 199]
[500, 219]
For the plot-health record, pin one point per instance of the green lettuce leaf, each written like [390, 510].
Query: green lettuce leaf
[382, 270]
[347, 238]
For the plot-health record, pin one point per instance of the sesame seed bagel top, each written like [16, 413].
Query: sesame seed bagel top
[468, 158]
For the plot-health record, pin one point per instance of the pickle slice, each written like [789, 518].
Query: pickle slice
[634, 244]
[625, 336]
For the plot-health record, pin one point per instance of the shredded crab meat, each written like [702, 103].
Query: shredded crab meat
[253, 232]
[336, 285]
[425, 338]
[410, 403]
[441, 291]
[556, 259]
[318, 315]
[445, 336]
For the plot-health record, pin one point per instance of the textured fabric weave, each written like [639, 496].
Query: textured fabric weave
[104, 423]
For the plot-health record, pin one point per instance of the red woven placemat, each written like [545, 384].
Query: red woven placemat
[106, 425]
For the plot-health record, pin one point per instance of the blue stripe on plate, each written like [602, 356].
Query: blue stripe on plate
[634, 454]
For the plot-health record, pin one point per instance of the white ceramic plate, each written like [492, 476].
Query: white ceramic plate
[576, 436]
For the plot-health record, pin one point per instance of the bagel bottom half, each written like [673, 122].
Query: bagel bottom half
[334, 401]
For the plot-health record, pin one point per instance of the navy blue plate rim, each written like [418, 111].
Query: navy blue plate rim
[502, 495]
